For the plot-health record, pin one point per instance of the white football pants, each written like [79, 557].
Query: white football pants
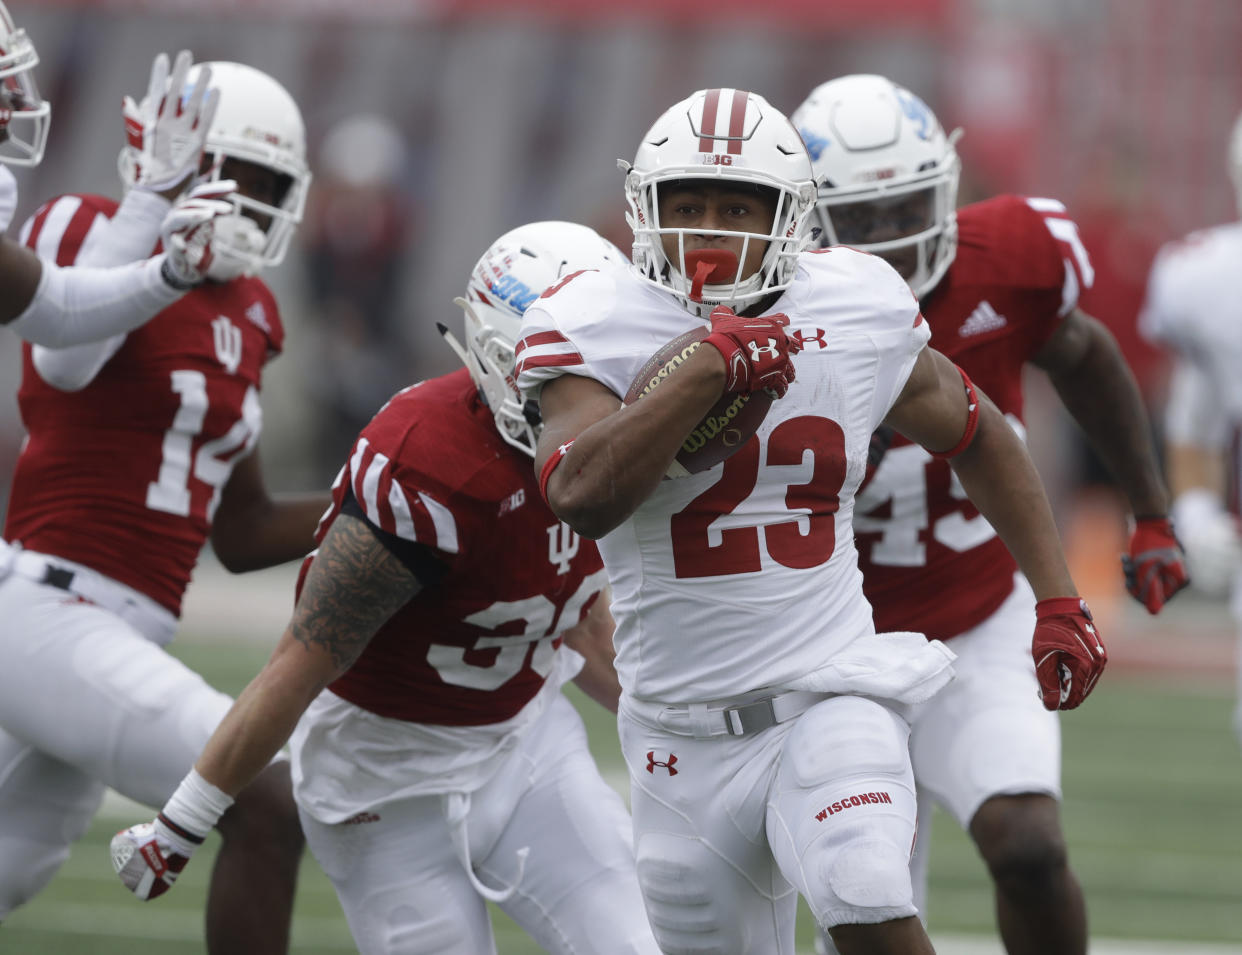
[729, 830]
[405, 891]
[86, 700]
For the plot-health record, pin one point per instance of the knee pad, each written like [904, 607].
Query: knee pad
[845, 811]
[686, 915]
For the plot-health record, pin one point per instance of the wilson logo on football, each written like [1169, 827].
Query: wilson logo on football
[713, 425]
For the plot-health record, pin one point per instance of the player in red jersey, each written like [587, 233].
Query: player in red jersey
[998, 282]
[436, 763]
[139, 448]
[48, 304]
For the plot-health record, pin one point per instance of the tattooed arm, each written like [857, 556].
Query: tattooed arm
[355, 584]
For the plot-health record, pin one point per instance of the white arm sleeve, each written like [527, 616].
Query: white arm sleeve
[128, 236]
[75, 305]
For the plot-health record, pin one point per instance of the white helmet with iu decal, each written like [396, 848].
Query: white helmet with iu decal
[515, 271]
[25, 116]
[887, 174]
[719, 135]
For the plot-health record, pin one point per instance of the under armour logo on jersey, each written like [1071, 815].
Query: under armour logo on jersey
[757, 351]
[819, 339]
[228, 339]
[667, 764]
[563, 544]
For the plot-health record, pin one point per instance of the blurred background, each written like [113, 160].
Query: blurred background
[436, 125]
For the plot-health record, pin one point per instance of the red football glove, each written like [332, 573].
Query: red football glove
[1069, 654]
[756, 351]
[1155, 568]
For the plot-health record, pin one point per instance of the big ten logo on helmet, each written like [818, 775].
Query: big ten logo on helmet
[503, 284]
[563, 544]
[716, 159]
[918, 113]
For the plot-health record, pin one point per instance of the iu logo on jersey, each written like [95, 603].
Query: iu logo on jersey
[563, 543]
[228, 339]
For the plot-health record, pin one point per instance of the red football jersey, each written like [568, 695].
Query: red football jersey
[475, 646]
[124, 475]
[930, 562]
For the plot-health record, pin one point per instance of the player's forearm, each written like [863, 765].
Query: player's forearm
[1103, 397]
[270, 532]
[73, 306]
[615, 464]
[1001, 480]
[263, 717]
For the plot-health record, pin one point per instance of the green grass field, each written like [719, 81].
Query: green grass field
[1153, 782]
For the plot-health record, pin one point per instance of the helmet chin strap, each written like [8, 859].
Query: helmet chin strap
[718, 264]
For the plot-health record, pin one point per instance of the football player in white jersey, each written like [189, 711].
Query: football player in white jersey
[1194, 308]
[55, 306]
[437, 765]
[998, 283]
[763, 719]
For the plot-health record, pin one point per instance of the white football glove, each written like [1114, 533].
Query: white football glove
[149, 857]
[166, 131]
[188, 232]
[1211, 539]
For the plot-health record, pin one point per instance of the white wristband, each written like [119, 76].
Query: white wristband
[196, 806]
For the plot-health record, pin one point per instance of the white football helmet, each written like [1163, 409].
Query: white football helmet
[721, 134]
[1235, 160]
[257, 121]
[515, 271]
[25, 116]
[887, 174]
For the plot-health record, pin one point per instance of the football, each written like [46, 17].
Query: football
[730, 423]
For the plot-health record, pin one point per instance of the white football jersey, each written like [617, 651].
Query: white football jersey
[744, 576]
[1194, 305]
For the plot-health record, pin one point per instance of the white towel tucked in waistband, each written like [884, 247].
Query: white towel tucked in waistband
[899, 666]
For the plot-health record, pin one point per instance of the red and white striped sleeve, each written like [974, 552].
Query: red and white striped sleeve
[410, 514]
[1079, 274]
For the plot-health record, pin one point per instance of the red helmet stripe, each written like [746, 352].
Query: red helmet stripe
[737, 121]
[707, 127]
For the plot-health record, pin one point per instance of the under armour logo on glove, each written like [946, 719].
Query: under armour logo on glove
[749, 365]
[757, 351]
[1155, 568]
[1069, 654]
